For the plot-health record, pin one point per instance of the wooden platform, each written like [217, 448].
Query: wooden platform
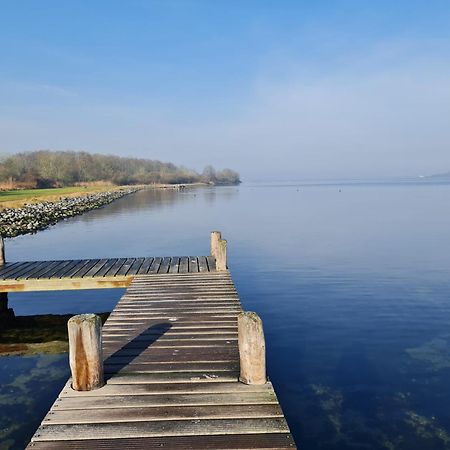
[93, 273]
[172, 365]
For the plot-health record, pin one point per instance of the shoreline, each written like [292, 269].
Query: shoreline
[35, 217]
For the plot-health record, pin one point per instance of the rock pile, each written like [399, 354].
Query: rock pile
[34, 217]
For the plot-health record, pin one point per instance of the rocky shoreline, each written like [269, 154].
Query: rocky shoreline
[38, 216]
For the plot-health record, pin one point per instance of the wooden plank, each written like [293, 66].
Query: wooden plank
[63, 284]
[134, 269]
[76, 268]
[60, 273]
[94, 269]
[126, 266]
[202, 264]
[80, 273]
[154, 268]
[184, 265]
[165, 264]
[136, 401]
[58, 268]
[174, 264]
[145, 266]
[211, 263]
[161, 428]
[116, 267]
[10, 267]
[171, 377]
[193, 264]
[19, 270]
[263, 441]
[50, 268]
[104, 270]
[40, 268]
[174, 366]
[171, 388]
[159, 413]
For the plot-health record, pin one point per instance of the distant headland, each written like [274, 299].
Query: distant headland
[49, 169]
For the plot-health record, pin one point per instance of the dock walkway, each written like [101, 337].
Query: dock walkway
[172, 366]
[171, 358]
[93, 273]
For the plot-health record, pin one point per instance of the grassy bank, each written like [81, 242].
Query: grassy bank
[19, 197]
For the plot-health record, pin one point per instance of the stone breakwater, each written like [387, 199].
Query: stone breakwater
[34, 217]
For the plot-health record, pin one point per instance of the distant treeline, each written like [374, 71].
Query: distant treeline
[54, 169]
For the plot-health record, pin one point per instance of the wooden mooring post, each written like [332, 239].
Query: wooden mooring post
[219, 250]
[252, 349]
[85, 352]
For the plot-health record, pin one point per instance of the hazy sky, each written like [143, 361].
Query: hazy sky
[279, 89]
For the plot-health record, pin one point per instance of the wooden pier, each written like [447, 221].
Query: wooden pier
[171, 361]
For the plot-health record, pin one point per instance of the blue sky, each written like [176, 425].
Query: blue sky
[274, 89]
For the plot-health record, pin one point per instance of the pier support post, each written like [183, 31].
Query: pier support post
[216, 236]
[219, 250]
[252, 349]
[85, 352]
[2, 251]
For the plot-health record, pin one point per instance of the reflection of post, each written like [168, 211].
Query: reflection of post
[3, 302]
[2, 251]
[252, 349]
[85, 352]
[3, 295]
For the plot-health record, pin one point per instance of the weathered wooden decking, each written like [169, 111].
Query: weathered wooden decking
[172, 367]
[93, 273]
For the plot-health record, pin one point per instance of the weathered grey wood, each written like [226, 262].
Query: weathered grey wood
[193, 264]
[136, 266]
[76, 268]
[126, 266]
[85, 352]
[174, 265]
[94, 269]
[211, 263]
[165, 264]
[162, 428]
[221, 255]
[13, 269]
[145, 266]
[58, 268]
[261, 441]
[171, 360]
[216, 236]
[202, 264]
[157, 413]
[85, 268]
[105, 269]
[115, 268]
[61, 273]
[252, 349]
[156, 400]
[184, 265]
[154, 268]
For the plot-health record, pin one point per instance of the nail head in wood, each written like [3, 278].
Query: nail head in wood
[85, 352]
[252, 349]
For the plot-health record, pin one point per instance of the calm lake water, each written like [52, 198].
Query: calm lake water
[352, 282]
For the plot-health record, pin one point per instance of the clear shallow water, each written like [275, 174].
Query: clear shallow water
[351, 280]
